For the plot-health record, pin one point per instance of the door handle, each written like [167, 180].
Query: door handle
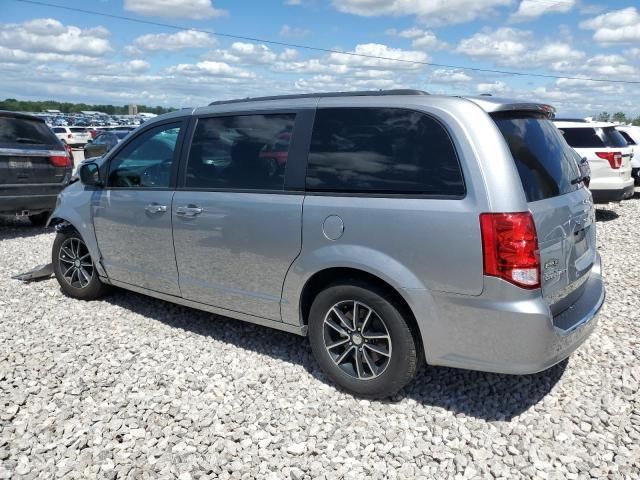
[188, 211]
[155, 208]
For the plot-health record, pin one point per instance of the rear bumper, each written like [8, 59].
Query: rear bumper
[612, 195]
[33, 199]
[511, 336]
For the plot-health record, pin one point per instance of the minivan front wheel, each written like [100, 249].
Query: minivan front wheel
[361, 340]
[74, 268]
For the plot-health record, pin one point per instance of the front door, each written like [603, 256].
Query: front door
[236, 230]
[132, 214]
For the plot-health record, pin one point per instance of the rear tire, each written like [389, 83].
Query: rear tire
[39, 219]
[375, 356]
[74, 268]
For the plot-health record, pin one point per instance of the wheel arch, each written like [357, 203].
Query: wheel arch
[333, 275]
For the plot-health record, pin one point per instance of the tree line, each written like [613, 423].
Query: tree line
[618, 117]
[14, 105]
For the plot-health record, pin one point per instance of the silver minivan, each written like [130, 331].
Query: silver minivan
[391, 227]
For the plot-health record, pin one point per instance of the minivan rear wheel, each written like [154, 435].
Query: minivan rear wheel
[361, 340]
[74, 268]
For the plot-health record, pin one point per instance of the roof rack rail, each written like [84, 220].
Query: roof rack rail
[361, 93]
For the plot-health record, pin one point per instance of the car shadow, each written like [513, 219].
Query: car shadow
[12, 227]
[604, 215]
[477, 394]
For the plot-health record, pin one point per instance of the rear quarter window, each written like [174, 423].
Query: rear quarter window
[546, 164]
[25, 131]
[382, 151]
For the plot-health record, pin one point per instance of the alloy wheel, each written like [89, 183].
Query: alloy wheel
[75, 263]
[357, 339]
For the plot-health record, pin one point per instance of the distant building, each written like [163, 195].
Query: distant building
[53, 111]
[133, 109]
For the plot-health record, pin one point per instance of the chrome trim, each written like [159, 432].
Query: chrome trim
[29, 152]
[297, 329]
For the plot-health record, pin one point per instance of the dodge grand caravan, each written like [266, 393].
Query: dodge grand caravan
[392, 228]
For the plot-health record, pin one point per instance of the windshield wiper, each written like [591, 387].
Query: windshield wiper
[579, 180]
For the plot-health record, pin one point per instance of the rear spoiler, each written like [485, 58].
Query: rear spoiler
[494, 105]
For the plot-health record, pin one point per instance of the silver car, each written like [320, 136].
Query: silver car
[391, 227]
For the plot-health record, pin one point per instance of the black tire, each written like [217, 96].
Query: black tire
[404, 348]
[39, 219]
[94, 288]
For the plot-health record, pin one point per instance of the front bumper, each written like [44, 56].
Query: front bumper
[509, 331]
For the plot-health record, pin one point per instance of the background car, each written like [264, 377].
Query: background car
[104, 142]
[608, 154]
[74, 136]
[631, 134]
[34, 167]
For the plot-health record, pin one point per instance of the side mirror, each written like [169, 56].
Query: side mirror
[90, 174]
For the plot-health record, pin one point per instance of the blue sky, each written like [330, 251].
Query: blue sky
[49, 53]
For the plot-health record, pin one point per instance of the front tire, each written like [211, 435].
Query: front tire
[74, 268]
[361, 340]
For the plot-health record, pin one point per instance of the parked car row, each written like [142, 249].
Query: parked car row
[456, 231]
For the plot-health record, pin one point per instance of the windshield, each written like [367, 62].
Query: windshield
[546, 164]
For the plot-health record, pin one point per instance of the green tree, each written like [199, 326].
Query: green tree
[636, 121]
[603, 117]
[619, 117]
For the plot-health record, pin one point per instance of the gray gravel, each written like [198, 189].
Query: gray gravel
[131, 387]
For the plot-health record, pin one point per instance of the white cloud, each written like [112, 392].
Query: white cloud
[193, 9]
[208, 68]
[49, 35]
[493, 87]
[502, 43]
[172, 42]
[420, 39]
[379, 50]
[251, 54]
[448, 76]
[618, 26]
[293, 32]
[431, 12]
[532, 9]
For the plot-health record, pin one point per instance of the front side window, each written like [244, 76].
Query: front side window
[147, 161]
[382, 150]
[240, 152]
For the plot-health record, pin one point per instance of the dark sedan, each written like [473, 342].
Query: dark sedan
[104, 141]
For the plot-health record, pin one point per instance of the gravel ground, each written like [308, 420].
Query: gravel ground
[131, 387]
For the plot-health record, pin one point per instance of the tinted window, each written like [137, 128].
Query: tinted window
[240, 152]
[382, 150]
[25, 131]
[582, 137]
[78, 129]
[147, 161]
[613, 138]
[546, 164]
[628, 138]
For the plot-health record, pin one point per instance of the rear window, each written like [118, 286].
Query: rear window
[25, 131]
[78, 129]
[628, 138]
[613, 138]
[382, 150]
[545, 162]
[593, 137]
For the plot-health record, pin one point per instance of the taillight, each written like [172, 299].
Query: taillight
[60, 161]
[510, 248]
[614, 158]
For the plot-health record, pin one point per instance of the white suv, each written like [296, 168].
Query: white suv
[74, 136]
[631, 134]
[608, 154]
